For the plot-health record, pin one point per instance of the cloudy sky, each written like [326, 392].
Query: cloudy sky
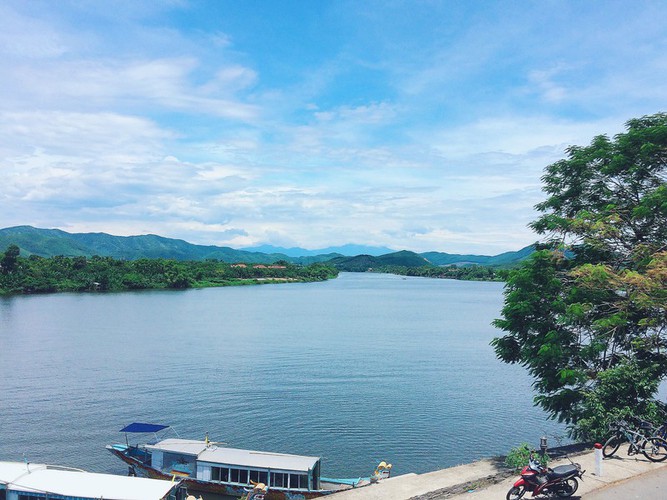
[420, 125]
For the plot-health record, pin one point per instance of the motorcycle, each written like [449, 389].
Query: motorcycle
[535, 478]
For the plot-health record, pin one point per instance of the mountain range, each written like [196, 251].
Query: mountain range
[349, 250]
[52, 242]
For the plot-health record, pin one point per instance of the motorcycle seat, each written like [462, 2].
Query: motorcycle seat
[562, 471]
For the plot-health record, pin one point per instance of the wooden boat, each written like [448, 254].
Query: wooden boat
[207, 467]
[28, 481]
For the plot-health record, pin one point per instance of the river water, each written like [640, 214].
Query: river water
[363, 368]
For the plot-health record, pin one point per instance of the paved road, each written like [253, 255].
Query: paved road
[623, 477]
[650, 485]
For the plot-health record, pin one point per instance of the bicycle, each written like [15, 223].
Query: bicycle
[659, 431]
[655, 430]
[653, 447]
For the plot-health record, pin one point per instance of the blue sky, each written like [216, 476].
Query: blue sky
[422, 125]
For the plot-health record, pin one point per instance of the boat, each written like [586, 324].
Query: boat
[208, 467]
[32, 481]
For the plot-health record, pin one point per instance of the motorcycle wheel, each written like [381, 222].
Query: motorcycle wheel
[515, 493]
[612, 445]
[655, 449]
[567, 488]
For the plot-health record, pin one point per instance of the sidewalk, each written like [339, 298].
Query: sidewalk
[489, 480]
[652, 484]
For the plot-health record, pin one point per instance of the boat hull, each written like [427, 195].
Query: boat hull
[197, 486]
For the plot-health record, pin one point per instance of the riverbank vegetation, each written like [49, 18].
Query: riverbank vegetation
[465, 273]
[19, 275]
[406, 263]
[587, 314]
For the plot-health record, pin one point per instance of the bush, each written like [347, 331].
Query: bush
[518, 457]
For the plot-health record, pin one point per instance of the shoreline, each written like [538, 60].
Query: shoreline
[490, 479]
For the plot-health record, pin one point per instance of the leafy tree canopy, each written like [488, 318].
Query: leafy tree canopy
[587, 315]
[36, 274]
[9, 259]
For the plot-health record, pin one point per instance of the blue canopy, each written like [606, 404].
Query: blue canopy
[139, 427]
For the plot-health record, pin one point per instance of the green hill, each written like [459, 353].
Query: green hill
[501, 260]
[52, 242]
[357, 264]
[403, 258]
[362, 263]
[511, 258]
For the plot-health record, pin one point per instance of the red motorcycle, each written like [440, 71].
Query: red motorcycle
[561, 480]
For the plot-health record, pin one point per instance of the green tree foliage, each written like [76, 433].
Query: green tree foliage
[465, 273]
[518, 457]
[587, 315]
[57, 274]
[9, 260]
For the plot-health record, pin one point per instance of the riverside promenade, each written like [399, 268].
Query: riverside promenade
[490, 480]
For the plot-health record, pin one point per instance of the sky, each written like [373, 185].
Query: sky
[419, 125]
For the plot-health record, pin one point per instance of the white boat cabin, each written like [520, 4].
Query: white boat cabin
[28, 481]
[210, 462]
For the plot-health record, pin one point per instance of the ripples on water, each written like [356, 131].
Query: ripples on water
[357, 370]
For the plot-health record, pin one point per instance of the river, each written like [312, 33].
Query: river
[363, 368]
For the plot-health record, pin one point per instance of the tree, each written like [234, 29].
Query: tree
[587, 315]
[10, 259]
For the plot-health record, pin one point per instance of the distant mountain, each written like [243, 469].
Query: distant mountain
[405, 258]
[52, 242]
[361, 263]
[503, 259]
[347, 250]
[447, 259]
[357, 264]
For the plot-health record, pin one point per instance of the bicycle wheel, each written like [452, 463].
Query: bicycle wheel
[655, 449]
[515, 493]
[612, 445]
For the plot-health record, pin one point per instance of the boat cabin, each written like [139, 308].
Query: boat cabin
[205, 461]
[28, 481]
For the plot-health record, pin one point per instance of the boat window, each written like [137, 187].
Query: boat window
[220, 474]
[169, 460]
[31, 497]
[298, 481]
[279, 479]
[259, 476]
[238, 476]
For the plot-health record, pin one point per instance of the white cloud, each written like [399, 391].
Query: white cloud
[519, 135]
[544, 82]
[81, 135]
[376, 113]
[28, 37]
[230, 79]
[136, 84]
[393, 137]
